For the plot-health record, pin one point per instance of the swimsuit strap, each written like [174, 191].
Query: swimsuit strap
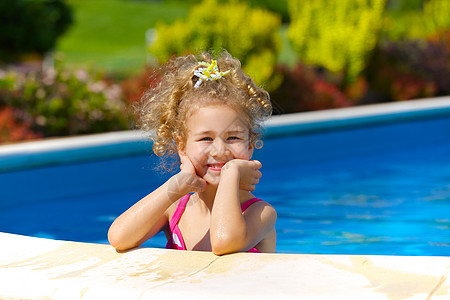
[178, 211]
[247, 203]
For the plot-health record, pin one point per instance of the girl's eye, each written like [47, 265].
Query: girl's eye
[206, 139]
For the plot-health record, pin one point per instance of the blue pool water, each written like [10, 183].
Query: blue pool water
[381, 189]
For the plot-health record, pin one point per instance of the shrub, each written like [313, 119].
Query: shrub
[416, 22]
[337, 35]
[63, 102]
[250, 34]
[135, 86]
[305, 88]
[277, 6]
[31, 26]
[12, 129]
[411, 69]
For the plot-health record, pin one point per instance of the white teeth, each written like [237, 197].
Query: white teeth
[216, 166]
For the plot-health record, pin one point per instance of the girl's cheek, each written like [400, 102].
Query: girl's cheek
[202, 152]
[200, 155]
[241, 151]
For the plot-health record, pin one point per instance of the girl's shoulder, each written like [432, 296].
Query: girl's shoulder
[251, 200]
[262, 216]
[259, 207]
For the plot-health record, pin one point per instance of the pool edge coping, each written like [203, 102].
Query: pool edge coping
[66, 270]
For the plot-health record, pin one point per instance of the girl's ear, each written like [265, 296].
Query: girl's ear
[180, 146]
[250, 150]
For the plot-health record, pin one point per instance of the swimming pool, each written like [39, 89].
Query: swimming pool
[371, 184]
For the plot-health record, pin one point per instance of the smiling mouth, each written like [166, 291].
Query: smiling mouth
[216, 167]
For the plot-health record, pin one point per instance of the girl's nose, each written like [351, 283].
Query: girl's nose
[219, 148]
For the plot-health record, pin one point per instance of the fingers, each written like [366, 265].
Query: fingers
[249, 173]
[184, 183]
[252, 185]
[257, 164]
[186, 164]
[249, 183]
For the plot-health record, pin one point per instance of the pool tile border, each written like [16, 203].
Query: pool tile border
[116, 144]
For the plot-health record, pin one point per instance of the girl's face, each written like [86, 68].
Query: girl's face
[216, 134]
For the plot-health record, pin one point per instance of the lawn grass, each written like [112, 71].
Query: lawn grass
[110, 34]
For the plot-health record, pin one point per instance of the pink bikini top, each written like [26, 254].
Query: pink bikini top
[176, 240]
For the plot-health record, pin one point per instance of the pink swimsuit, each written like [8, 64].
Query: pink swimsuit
[176, 240]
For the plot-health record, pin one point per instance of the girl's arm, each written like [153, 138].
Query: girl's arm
[232, 231]
[149, 215]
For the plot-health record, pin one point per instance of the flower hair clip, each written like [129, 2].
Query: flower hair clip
[208, 72]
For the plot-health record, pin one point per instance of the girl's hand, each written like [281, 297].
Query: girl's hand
[187, 180]
[247, 170]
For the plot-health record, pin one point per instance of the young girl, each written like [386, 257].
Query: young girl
[208, 113]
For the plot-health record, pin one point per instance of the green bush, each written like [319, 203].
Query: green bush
[337, 35]
[250, 34]
[416, 22]
[31, 26]
[277, 6]
[62, 102]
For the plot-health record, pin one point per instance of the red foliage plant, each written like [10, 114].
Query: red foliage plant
[134, 87]
[306, 88]
[411, 69]
[12, 129]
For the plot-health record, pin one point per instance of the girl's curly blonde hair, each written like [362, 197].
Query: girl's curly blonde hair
[165, 108]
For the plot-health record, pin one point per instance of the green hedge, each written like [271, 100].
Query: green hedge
[337, 35]
[414, 22]
[248, 33]
[31, 26]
